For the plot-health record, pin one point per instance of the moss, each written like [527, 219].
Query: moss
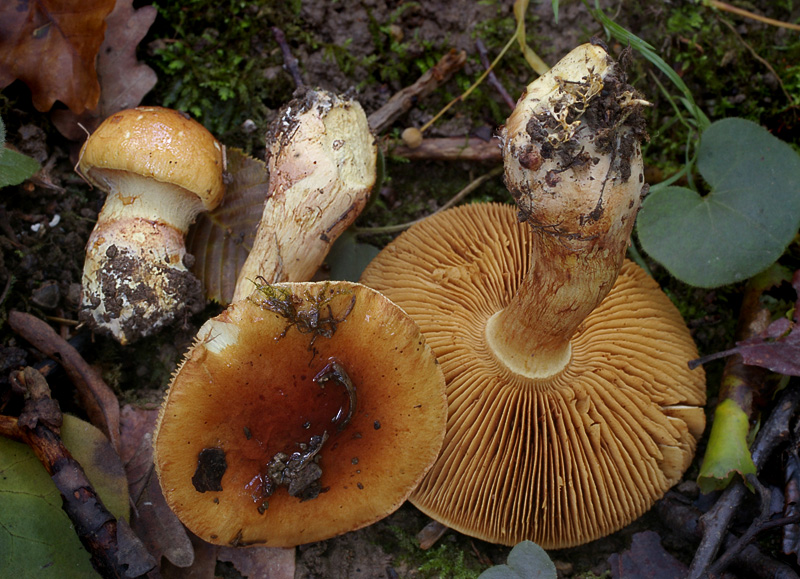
[214, 60]
[450, 559]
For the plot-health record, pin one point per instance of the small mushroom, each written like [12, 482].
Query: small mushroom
[302, 412]
[571, 408]
[160, 169]
[322, 166]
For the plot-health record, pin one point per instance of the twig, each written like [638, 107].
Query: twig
[759, 59]
[717, 519]
[492, 78]
[97, 398]
[453, 200]
[734, 10]
[289, 61]
[682, 517]
[39, 426]
[402, 101]
[452, 149]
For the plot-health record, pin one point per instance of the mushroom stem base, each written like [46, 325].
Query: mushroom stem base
[537, 366]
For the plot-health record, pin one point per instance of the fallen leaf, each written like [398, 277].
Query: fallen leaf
[777, 348]
[153, 521]
[90, 447]
[36, 535]
[51, 46]
[646, 559]
[727, 452]
[260, 562]
[221, 240]
[348, 257]
[203, 566]
[123, 79]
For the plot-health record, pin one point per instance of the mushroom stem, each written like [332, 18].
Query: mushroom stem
[160, 169]
[138, 197]
[322, 166]
[574, 166]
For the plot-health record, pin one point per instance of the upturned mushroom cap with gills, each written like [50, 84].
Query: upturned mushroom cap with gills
[322, 167]
[160, 169]
[302, 412]
[571, 408]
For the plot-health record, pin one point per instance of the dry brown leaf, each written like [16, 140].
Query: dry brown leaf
[152, 520]
[221, 240]
[51, 46]
[123, 79]
[203, 566]
[260, 562]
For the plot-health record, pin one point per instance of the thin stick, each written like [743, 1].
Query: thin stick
[289, 61]
[403, 100]
[39, 426]
[98, 400]
[758, 58]
[455, 199]
[451, 149]
[715, 522]
[492, 78]
[752, 16]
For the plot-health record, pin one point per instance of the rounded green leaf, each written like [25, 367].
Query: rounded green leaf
[527, 560]
[743, 225]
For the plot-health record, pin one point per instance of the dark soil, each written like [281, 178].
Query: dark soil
[45, 222]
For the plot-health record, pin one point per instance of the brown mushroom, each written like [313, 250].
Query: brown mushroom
[566, 419]
[302, 412]
[160, 169]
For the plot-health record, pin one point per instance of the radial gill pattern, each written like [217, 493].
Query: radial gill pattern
[559, 461]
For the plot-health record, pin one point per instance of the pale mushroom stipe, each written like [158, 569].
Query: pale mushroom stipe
[303, 411]
[322, 167]
[159, 169]
[571, 408]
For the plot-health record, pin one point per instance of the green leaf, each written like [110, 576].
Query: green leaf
[347, 258]
[527, 560]
[743, 225]
[727, 452]
[36, 536]
[15, 167]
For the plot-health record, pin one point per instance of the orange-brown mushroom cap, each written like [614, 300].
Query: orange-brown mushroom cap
[560, 460]
[160, 144]
[247, 392]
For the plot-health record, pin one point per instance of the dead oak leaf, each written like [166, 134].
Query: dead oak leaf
[777, 348]
[51, 46]
[152, 520]
[123, 79]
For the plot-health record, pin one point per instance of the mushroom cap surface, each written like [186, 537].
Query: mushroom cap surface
[246, 390]
[158, 143]
[559, 461]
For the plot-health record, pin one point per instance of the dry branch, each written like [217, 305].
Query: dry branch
[452, 149]
[100, 533]
[402, 101]
[98, 400]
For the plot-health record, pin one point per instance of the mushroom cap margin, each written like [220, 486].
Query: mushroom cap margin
[369, 468]
[159, 143]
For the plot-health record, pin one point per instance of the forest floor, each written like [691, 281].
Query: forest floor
[371, 49]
